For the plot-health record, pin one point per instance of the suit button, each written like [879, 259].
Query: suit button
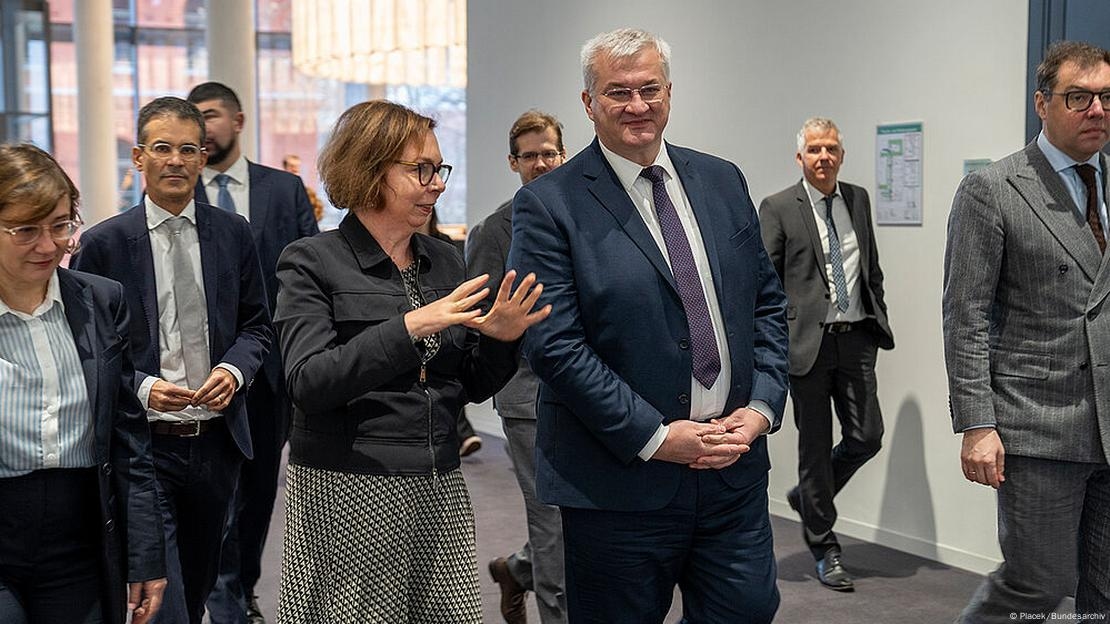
[106, 469]
[1063, 268]
[684, 398]
[683, 344]
[110, 525]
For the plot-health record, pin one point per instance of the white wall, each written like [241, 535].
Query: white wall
[746, 74]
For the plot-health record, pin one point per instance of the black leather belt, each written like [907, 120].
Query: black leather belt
[187, 429]
[841, 327]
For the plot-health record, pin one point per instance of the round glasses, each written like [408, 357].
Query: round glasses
[530, 157]
[59, 231]
[425, 171]
[650, 94]
[164, 151]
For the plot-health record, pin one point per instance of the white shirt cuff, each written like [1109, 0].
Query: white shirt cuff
[763, 408]
[653, 443]
[144, 390]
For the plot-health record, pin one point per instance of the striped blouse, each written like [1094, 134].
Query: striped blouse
[45, 416]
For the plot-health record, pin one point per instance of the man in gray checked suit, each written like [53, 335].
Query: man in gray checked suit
[821, 241]
[1027, 346]
[535, 147]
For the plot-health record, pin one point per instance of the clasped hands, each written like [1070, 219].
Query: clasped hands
[506, 320]
[715, 444]
[215, 394]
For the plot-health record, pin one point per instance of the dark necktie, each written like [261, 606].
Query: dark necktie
[836, 258]
[224, 199]
[1087, 174]
[707, 360]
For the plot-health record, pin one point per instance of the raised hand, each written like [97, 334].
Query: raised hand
[457, 307]
[511, 314]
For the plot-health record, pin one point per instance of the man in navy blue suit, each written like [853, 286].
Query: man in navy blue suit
[663, 362]
[277, 207]
[199, 334]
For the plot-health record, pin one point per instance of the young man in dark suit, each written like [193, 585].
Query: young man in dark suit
[276, 205]
[819, 235]
[199, 334]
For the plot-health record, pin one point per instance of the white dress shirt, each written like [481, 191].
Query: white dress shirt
[169, 337]
[45, 415]
[1064, 166]
[705, 403]
[239, 185]
[849, 253]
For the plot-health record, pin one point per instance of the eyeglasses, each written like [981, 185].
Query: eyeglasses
[425, 171]
[60, 231]
[1080, 101]
[549, 156]
[650, 94]
[164, 151]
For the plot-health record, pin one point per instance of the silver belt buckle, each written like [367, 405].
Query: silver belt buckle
[196, 429]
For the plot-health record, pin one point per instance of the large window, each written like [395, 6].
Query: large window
[160, 50]
[24, 96]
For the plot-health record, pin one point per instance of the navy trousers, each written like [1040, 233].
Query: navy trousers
[713, 541]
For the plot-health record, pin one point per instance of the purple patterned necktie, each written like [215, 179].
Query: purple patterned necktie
[707, 360]
[1087, 175]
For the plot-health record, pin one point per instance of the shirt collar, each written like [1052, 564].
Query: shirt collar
[156, 215]
[628, 172]
[816, 195]
[237, 172]
[1061, 161]
[53, 296]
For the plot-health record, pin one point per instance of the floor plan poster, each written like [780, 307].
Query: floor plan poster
[898, 173]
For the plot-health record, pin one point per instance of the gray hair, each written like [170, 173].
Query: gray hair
[820, 124]
[621, 43]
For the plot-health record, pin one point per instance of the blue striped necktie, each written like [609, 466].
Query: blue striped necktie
[224, 200]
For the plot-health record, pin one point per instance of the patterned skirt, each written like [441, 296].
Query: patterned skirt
[376, 548]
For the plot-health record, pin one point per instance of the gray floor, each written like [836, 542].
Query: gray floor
[891, 586]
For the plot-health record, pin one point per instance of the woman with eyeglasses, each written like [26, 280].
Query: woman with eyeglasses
[384, 342]
[79, 519]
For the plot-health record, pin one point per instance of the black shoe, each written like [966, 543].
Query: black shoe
[831, 572]
[794, 499]
[512, 593]
[254, 614]
[470, 445]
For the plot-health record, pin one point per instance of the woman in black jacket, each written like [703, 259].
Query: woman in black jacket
[384, 344]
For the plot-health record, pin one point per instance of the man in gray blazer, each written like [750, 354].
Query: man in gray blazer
[819, 235]
[1027, 346]
[535, 147]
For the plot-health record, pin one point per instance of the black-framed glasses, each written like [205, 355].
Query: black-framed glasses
[529, 157]
[425, 171]
[59, 231]
[1079, 100]
[161, 150]
[650, 94]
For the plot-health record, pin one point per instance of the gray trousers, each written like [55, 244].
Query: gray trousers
[538, 565]
[1054, 532]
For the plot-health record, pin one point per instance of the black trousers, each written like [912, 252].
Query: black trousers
[269, 412]
[50, 548]
[842, 377]
[196, 479]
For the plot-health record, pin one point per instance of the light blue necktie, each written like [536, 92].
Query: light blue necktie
[836, 259]
[224, 200]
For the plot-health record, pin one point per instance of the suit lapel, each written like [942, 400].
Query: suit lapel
[209, 253]
[259, 199]
[200, 194]
[805, 213]
[142, 258]
[79, 305]
[1102, 281]
[606, 188]
[1044, 192]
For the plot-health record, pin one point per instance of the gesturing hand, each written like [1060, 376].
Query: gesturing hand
[167, 397]
[217, 391]
[451, 310]
[512, 314]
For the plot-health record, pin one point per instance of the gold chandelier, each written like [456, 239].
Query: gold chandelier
[393, 42]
